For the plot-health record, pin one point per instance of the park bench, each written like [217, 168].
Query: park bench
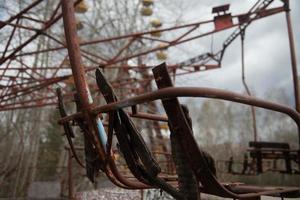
[272, 151]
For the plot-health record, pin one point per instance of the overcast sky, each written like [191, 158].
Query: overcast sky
[267, 58]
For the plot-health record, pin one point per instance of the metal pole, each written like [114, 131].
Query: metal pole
[294, 64]
[253, 113]
[96, 128]
[293, 56]
[75, 54]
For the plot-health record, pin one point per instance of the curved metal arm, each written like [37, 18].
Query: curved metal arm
[172, 92]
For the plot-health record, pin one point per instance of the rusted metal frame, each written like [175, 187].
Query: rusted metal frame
[27, 67]
[184, 70]
[94, 125]
[160, 48]
[6, 89]
[125, 36]
[293, 55]
[32, 19]
[84, 51]
[146, 67]
[39, 51]
[253, 7]
[54, 13]
[192, 60]
[149, 116]
[30, 75]
[20, 26]
[44, 82]
[294, 65]
[9, 39]
[88, 53]
[11, 55]
[31, 89]
[59, 67]
[139, 115]
[185, 34]
[126, 46]
[140, 34]
[185, 73]
[154, 39]
[5, 69]
[38, 68]
[168, 45]
[54, 96]
[17, 77]
[17, 95]
[59, 42]
[243, 26]
[38, 32]
[219, 55]
[179, 125]
[94, 55]
[191, 92]
[23, 83]
[115, 38]
[205, 92]
[53, 38]
[26, 106]
[87, 56]
[118, 37]
[21, 13]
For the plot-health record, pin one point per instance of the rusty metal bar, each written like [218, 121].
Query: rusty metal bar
[20, 13]
[84, 95]
[199, 92]
[171, 43]
[293, 56]
[154, 117]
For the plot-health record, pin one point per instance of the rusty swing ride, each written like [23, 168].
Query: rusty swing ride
[25, 86]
